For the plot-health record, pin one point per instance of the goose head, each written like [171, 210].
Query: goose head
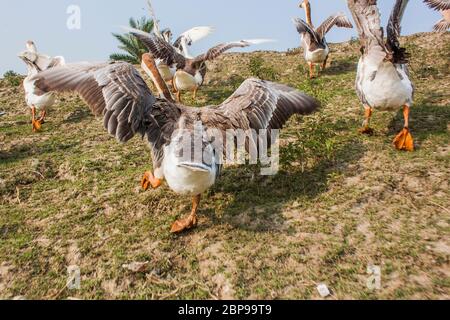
[31, 47]
[304, 4]
[167, 35]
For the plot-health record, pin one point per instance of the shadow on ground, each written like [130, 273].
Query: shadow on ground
[285, 187]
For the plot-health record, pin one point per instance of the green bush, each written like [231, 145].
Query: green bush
[13, 78]
[258, 70]
[314, 143]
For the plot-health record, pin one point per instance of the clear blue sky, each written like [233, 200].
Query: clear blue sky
[44, 21]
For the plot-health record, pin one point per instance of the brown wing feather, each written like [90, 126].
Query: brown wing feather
[117, 91]
[441, 26]
[160, 49]
[259, 104]
[399, 54]
[438, 4]
[114, 90]
[339, 20]
[216, 51]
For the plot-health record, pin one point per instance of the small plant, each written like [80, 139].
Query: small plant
[258, 70]
[12, 78]
[294, 51]
[314, 143]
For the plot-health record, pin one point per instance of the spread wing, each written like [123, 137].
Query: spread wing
[56, 62]
[160, 49]
[259, 104]
[339, 19]
[218, 50]
[438, 4]
[193, 35]
[394, 30]
[303, 27]
[441, 26]
[367, 19]
[117, 91]
[114, 90]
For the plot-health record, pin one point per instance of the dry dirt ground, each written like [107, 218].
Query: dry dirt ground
[70, 195]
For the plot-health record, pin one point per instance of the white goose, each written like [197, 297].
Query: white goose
[444, 6]
[35, 99]
[117, 91]
[314, 44]
[382, 78]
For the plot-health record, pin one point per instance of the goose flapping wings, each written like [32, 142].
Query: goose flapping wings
[339, 19]
[117, 92]
[164, 51]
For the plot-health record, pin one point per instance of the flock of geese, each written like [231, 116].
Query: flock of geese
[117, 91]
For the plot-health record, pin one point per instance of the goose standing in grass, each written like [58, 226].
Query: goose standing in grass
[314, 44]
[382, 80]
[117, 91]
[190, 72]
[35, 98]
[444, 6]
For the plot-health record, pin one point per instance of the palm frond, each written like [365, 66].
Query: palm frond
[123, 57]
[131, 45]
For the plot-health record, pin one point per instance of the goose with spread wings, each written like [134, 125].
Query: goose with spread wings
[190, 72]
[35, 99]
[314, 44]
[444, 7]
[382, 80]
[117, 92]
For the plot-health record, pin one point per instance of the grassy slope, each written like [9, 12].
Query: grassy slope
[70, 195]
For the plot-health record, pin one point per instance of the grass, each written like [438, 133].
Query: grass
[70, 195]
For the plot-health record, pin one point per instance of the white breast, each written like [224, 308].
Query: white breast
[387, 89]
[166, 72]
[41, 102]
[186, 82]
[187, 178]
[317, 56]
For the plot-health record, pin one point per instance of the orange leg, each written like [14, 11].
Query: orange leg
[172, 83]
[195, 93]
[188, 222]
[324, 64]
[43, 115]
[404, 140]
[366, 128]
[179, 96]
[36, 124]
[150, 180]
[311, 70]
